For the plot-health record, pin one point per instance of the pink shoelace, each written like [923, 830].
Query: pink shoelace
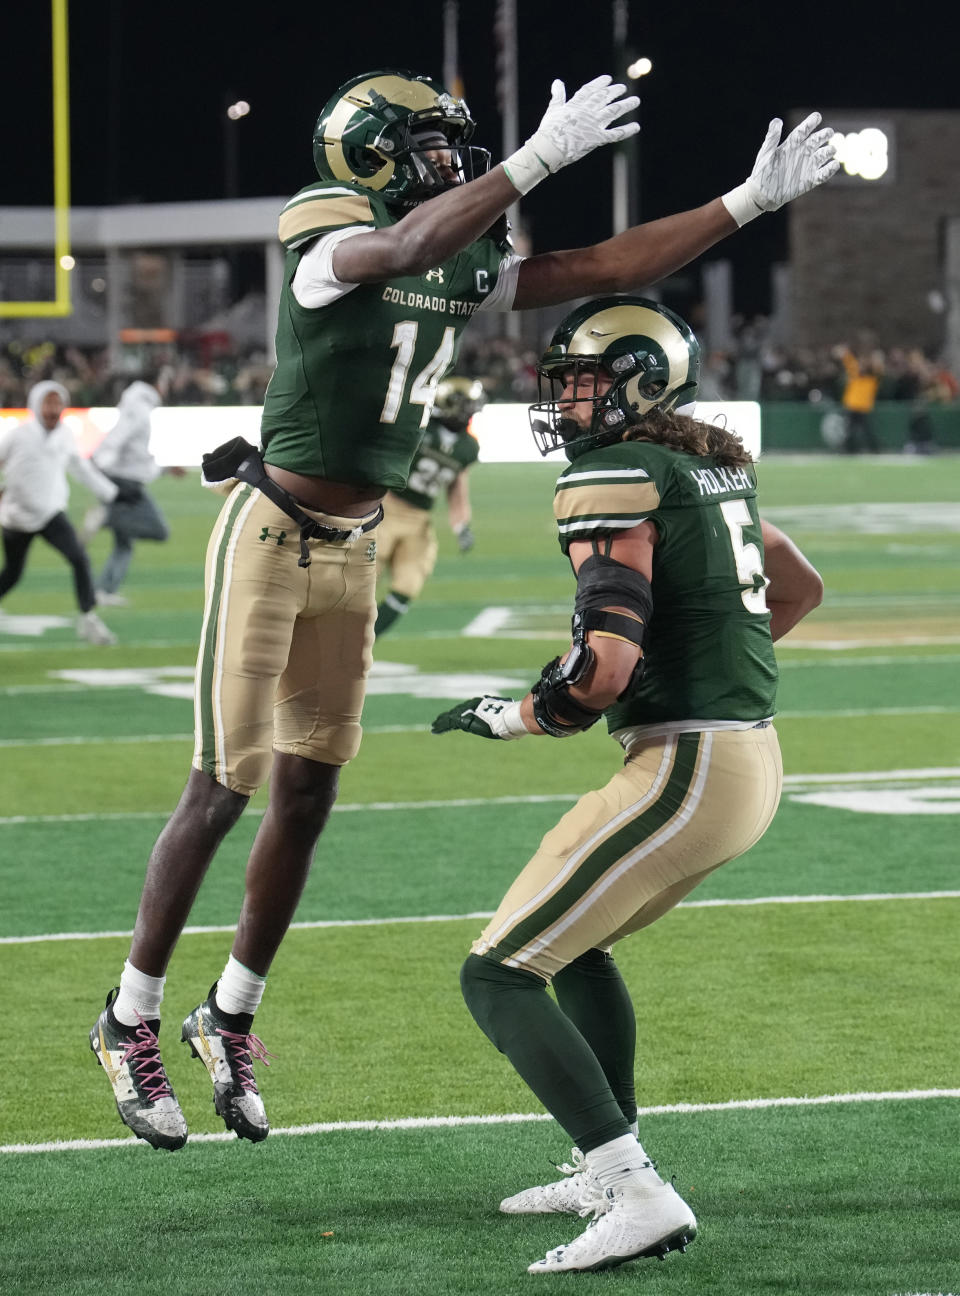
[241, 1047]
[143, 1054]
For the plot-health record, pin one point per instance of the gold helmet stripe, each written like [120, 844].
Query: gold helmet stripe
[594, 335]
[414, 95]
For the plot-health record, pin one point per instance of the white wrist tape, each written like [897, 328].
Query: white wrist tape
[510, 725]
[740, 205]
[525, 168]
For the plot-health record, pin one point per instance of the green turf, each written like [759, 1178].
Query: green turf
[733, 1002]
[837, 1200]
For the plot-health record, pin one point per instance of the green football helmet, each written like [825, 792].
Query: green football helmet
[456, 402]
[650, 354]
[376, 129]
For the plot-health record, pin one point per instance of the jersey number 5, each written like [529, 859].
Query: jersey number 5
[736, 514]
[424, 386]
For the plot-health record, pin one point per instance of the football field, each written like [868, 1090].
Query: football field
[798, 1056]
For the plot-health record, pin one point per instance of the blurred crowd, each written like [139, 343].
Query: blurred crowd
[183, 377]
[754, 367]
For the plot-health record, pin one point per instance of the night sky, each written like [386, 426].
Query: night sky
[149, 85]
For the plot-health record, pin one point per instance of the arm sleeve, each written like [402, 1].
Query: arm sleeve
[314, 283]
[501, 299]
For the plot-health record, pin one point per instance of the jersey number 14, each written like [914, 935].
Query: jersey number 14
[424, 386]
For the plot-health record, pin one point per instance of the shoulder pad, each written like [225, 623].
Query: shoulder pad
[320, 208]
[603, 492]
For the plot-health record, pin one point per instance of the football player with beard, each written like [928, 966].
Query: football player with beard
[681, 592]
[388, 256]
[407, 540]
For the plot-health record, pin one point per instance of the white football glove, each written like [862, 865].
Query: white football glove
[782, 172]
[571, 129]
[487, 717]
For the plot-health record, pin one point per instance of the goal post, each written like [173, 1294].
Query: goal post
[62, 303]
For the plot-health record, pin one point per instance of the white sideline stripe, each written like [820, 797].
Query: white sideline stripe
[463, 803]
[514, 1118]
[74, 740]
[320, 923]
[927, 659]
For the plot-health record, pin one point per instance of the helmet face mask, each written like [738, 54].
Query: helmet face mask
[636, 355]
[383, 131]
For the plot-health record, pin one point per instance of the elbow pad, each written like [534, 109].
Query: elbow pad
[602, 581]
[555, 711]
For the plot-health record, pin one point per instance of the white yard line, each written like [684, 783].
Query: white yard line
[854, 713]
[321, 923]
[790, 781]
[515, 1118]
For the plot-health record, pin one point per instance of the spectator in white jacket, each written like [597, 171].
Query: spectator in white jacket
[35, 457]
[124, 456]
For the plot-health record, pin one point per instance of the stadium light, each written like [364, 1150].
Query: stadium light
[237, 110]
[639, 68]
[863, 153]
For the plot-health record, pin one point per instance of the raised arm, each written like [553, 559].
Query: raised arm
[645, 253]
[437, 229]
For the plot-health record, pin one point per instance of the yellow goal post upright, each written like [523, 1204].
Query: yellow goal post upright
[62, 303]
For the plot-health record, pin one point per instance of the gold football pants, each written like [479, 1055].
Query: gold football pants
[626, 854]
[285, 650]
[406, 546]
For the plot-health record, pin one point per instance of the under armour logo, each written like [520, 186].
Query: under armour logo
[434, 274]
[272, 533]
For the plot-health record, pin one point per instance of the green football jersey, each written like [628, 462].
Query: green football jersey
[708, 651]
[440, 459]
[355, 380]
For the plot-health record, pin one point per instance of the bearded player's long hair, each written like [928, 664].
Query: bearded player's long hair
[690, 436]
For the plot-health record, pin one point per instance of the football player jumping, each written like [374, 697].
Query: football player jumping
[388, 255]
[681, 591]
[407, 540]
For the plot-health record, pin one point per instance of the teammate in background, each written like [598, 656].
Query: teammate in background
[681, 591]
[36, 456]
[389, 255]
[406, 539]
[124, 456]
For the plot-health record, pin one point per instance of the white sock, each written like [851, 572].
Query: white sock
[239, 990]
[623, 1161]
[140, 996]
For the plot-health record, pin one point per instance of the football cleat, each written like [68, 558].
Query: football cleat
[130, 1055]
[569, 1195]
[91, 628]
[225, 1045]
[629, 1223]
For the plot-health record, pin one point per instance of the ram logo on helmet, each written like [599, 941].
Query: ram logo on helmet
[399, 134]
